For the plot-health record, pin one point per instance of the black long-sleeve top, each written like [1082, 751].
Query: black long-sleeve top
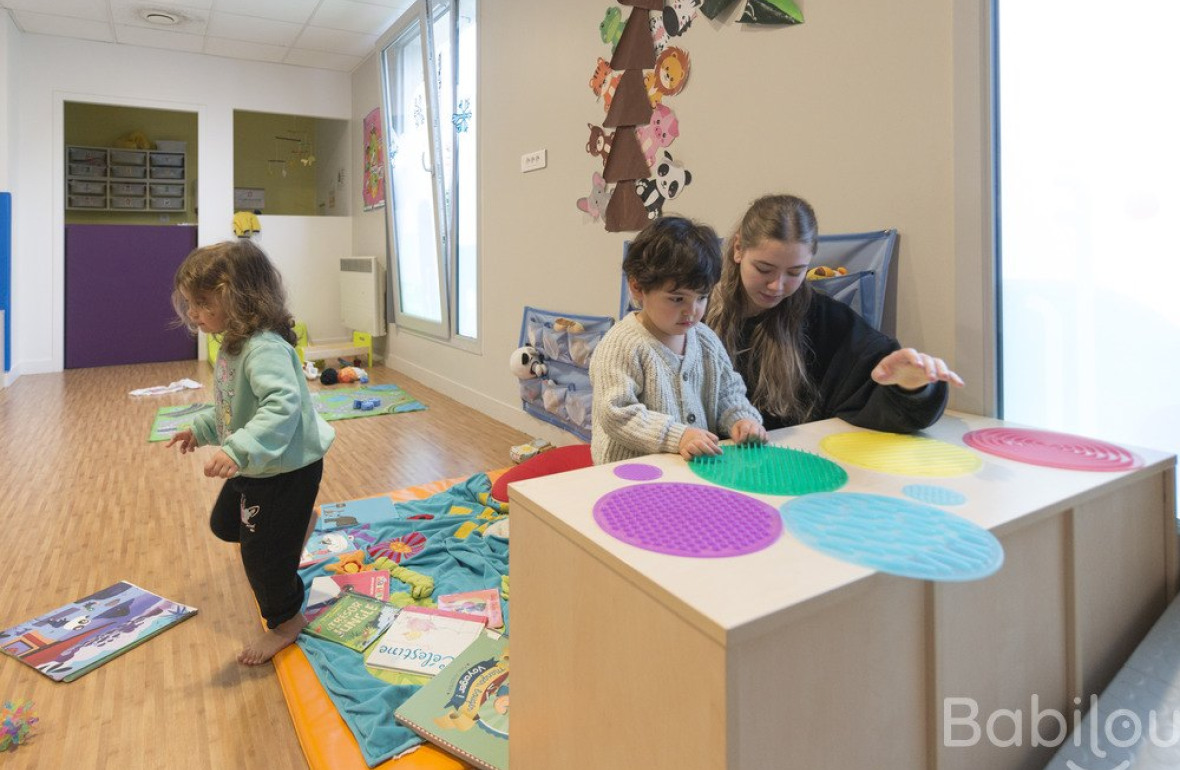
[842, 351]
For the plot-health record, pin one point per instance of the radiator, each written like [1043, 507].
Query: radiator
[362, 294]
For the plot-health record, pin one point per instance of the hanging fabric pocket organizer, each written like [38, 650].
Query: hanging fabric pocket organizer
[565, 342]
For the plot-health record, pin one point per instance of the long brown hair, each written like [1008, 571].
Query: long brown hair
[239, 276]
[776, 340]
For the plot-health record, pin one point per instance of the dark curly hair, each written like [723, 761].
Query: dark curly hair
[238, 276]
[674, 249]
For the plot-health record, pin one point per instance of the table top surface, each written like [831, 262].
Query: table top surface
[729, 598]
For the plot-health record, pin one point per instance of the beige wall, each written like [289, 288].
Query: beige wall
[860, 110]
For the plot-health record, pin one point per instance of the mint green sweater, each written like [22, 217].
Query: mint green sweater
[264, 418]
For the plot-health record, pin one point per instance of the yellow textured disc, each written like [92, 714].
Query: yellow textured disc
[900, 454]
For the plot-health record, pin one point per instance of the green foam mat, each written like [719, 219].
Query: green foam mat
[170, 419]
[769, 470]
[337, 403]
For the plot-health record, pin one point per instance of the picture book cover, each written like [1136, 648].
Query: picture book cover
[350, 513]
[484, 603]
[353, 620]
[327, 588]
[81, 636]
[464, 709]
[422, 640]
[324, 544]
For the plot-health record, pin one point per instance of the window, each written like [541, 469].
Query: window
[429, 78]
[1088, 211]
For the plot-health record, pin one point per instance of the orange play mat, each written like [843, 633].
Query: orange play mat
[326, 740]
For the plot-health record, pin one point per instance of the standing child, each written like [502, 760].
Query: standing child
[662, 381]
[271, 443]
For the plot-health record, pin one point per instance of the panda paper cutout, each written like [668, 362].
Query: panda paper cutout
[669, 180]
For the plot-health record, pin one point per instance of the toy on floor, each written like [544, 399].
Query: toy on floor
[353, 561]
[329, 376]
[310, 371]
[527, 451]
[16, 724]
[352, 374]
[366, 404]
[817, 273]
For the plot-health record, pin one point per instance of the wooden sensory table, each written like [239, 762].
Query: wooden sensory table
[789, 658]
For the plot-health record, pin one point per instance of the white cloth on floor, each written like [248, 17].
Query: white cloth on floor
[171, 387]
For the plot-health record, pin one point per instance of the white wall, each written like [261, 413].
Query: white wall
[857, 110]
[50, 71]
[9, 50]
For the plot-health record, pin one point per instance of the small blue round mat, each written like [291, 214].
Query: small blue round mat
[893, 535]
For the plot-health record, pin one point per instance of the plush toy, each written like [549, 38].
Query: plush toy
[347, 563]
[526, 363]
[352, 374]
[817, 273]
[329, 376]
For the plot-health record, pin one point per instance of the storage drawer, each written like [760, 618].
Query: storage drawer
[126, 202]
[131, 189]
[87, 201]
[128, 157]
[167, 159]
[168, 190]
[87, 155]
[168, 173]
[88, 169]
[172, 204]
[87, 188]
[128, 172]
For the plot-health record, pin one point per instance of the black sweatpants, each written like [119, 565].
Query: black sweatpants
[269, 517]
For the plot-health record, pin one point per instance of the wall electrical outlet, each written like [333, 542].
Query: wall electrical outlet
[532, 161]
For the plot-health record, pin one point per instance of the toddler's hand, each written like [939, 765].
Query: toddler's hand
[186, 439]
[221, 466]
[748, 431]
[696, 441]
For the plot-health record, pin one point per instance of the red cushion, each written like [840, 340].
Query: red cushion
[556, 460]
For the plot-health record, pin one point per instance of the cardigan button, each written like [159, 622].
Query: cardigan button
[686, 376]
[692, 418]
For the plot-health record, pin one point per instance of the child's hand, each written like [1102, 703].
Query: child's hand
[696, 441]
[748, 431]
[221, 466]
[186, 439]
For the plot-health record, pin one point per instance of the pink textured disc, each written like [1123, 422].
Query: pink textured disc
[688, 520]
[1052, 450]
[638, 472]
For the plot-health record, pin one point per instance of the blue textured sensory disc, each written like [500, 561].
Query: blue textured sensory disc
[894, 535]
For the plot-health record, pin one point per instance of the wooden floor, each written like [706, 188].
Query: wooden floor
[88, 501]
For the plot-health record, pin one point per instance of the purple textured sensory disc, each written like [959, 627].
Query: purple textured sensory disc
[688, 520]
[638, 472]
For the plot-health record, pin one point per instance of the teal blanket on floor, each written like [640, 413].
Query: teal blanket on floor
[456, 564]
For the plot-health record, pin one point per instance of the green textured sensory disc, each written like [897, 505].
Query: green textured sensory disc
[769, 470]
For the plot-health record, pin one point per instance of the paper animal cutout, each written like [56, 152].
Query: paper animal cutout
[669, 180]
[669, 76]
[678, 16]
[771, 12]
[659, 35]
[660, 131]
[610, 29]
[600, 142]
[595, 203]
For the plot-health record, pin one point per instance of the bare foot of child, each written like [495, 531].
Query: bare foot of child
[264, 647]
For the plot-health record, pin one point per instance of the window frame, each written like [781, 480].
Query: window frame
[425, 14]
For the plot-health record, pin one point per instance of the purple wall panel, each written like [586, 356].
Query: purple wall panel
[118, 294]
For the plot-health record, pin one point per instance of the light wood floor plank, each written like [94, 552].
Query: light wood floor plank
[88, 501]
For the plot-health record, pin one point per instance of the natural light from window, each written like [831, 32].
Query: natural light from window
[1089, 203]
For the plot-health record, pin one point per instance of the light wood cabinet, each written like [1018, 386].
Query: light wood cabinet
[115, 179]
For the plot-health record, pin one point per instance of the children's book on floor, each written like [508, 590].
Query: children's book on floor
[353, 620]
[484, 603]
[423, 640]
[324, 544]
[326, 589]
[464, 709]
[81, 636]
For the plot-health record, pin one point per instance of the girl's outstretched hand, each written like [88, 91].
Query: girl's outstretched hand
[220, 466]
[186, 439]
[748, 432]
[911, 370]
[696, 442]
